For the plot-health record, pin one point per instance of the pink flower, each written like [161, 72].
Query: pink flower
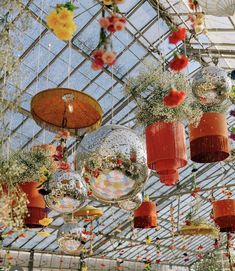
[109, 58]
[119, 26]
[104, 22]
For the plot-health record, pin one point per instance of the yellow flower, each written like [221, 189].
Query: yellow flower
[52, 20]
[45, 221]
[64, 15]
[108, 2]
[71, 26]
[63, 33]
[43, 233]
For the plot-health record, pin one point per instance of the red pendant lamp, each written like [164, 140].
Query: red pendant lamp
[166, 150]
[145, 216]
[36, 205]
[224, 214]
[209, 140]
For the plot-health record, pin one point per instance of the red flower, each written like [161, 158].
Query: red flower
[200, 247]
[187, 222]
[62, 165]
[179, 62]
[119, 162]
[174, 98]
[177, 36]
[89, 194]
[193, 4]
[96, 173]
[87, 180]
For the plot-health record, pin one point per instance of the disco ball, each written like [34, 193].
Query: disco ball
[113, 162]
[68, 192]
[131, 204]
[211, 86]
[71, 238]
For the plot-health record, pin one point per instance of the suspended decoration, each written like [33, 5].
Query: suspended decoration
[224, 214]
[61, 21]
[179, 62]
[36, 205]
[177, 35]
[13, 207]
[88, 212]
[222, 8]
[209, 140]
[71, 238]
[131, 204]
[166, 150]
[211, 86]
[67, 192]
[116, 22]
[58, 108]
[152, 87]
[146, 215]
[196, 225]
[113, 162]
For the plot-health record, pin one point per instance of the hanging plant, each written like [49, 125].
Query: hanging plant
[61, 21]
[152, 92]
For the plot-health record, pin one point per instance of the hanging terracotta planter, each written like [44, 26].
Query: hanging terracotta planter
[209, 140]
[224, 214]
[36, 205]
[166, 150]
[146, 215]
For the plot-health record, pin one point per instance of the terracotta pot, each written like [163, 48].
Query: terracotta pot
[224, 214]
[209, 140]
[166, 150]
[36, 205]
[146, 215]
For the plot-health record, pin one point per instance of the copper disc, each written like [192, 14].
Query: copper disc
[48, 110]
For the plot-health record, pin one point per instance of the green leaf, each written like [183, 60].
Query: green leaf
[70, 6]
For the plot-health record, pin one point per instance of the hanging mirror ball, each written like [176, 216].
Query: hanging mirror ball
[113, 162]
[131, 204]
[68, 192]
[211, 85]
[71, 238]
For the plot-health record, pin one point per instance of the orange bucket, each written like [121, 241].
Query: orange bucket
[166, 149]
[146, 215]
[224, 214]
[209, 140]
[36, 205]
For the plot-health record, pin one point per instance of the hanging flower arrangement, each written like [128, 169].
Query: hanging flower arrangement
[104, 54]
[156, 93]
[179, 62]
[198, 22]
[61, 21]
[177, 36]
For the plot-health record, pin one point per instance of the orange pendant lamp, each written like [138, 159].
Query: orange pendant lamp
[224, 214]
[145, 216]
[209, 140]
[166, 150]
[36, 205]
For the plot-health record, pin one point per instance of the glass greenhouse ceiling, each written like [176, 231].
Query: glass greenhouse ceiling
[46, 62]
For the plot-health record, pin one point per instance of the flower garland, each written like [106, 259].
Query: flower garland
[149, 90]
[61, 21]
[104, 54]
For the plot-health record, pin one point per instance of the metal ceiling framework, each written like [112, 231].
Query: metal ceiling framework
[143, 40]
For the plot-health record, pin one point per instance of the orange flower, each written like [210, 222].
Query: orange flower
[63, 33]
[52, 20]
[109, 58]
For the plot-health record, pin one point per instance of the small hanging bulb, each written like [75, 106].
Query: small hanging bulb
[70, 108]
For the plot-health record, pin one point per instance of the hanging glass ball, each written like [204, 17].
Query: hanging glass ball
[68, 192]
[113, 162]
[131, 204]
[211, 86]
[71, 239]
[218, 7]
